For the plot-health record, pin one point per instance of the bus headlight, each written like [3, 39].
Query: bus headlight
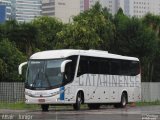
[55, 93]
[29, 94]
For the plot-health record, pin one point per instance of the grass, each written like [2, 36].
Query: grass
[18, 106]
[157, 102]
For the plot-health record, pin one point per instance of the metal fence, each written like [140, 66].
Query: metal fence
[11, 91]
[150, 91]
[14, 91]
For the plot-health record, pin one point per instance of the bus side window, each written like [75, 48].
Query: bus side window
[104, 67]
[83, 66]
[68, 74]
[114, 67]
[73, 65]
[93, 66]
[125, 68]
[134, 68]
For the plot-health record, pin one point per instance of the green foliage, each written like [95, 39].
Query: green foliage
[47, 29]
[11, 57]
[89, 30]
[144, 103]
[77, 37]
[3, 70]
[23, 34]
[134, 38]
[153, 22]
[18, 106]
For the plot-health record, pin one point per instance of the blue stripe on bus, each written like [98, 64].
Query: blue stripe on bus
[61, 93]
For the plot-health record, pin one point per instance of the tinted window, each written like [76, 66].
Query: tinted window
[134, 68]
[95, 65]
[115, 67]
[125, 68]
[104, 66]
[83, 66]
[71, 67]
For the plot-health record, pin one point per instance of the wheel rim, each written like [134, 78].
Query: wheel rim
[79, 100]
[124, 101]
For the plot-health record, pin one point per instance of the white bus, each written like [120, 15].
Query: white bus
[75, 77]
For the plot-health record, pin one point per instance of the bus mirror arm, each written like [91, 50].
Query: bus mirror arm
[20, 67]
[64, 64]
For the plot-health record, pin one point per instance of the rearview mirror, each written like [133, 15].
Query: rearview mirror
[20, 67]
[64, 64]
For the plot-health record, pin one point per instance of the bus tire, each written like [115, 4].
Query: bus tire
[45, 107]
[123, 102]
[93, 106]
[79, 101]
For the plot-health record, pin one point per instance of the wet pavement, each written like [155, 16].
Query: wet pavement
[105, 113]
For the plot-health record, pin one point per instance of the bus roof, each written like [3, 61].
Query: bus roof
[55, 54]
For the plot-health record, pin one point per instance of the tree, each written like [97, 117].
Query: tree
[119, 21]
[47, 29]
[89, 30]
[25, 37]
[1, 31]
[11, 57]
[3, 70]
[133, 38]
[153, 22]
[107, 15]
[77, 37]
[23, 34]
[8, 28]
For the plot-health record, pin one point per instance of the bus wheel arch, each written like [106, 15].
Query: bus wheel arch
[79, 100]
[123, 100]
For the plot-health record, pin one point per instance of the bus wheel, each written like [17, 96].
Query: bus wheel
[45, 107]
[79, 101]
[93, 106]
[123, 102]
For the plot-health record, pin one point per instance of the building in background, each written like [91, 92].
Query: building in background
[64, 10]
[67, 9]
[137, 8]
[26, 10]
[48, 8]
[5, 10]
[2, 13]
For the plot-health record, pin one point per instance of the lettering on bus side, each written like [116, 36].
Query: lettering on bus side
[94, 71]
[109, 81]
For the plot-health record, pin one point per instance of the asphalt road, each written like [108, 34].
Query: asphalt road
[105, 113]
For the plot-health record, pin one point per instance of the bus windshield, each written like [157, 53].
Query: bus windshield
[44, 74]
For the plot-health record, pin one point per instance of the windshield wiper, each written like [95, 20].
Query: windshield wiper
[36, 78]
[49, 84]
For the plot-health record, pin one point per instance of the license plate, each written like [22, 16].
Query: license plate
[41, 100]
